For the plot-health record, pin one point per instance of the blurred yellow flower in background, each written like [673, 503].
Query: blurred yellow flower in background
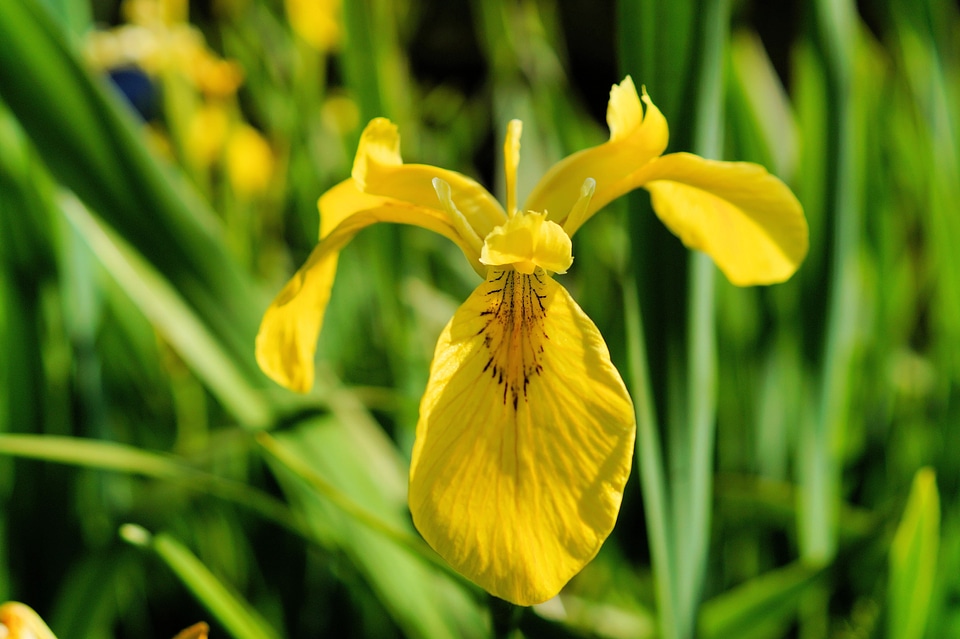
[155, 12]
[249, 160]
[526, 431]
[215, 77]
[158, 39]
[200, 111]
[207, 134]
[316, 21]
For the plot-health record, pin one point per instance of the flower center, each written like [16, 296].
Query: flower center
[514, 333]
[526, 241]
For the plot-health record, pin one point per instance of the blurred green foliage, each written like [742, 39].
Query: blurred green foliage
[798, 473]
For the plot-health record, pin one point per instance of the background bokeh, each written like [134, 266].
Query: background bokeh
[160, 162]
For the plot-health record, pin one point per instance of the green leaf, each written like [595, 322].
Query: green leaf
[93, 454]
[913, 559]
[338, 474]
[650, 466]
[116, 457]
[89, 140]
[754, 608]
[237, 615]
[172, 317]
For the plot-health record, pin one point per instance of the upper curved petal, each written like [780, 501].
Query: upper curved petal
[635, 139]
[287, 340]
[379, 170]
[525, 439]
[747, 220]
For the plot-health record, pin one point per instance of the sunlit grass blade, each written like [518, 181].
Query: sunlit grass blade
[175, 320]
[88, 139]
[236, 615]
[117, 457]
[92, 454]
[300, 467]
[323, 458]
[913, 559]
[761, 607]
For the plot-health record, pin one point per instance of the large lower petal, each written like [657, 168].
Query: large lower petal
[379, 170]
[747, 220]
[635, 139]
[287, 340]
[524, 442]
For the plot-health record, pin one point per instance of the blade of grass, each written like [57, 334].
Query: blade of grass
[320, 459]
[116, 457]
[754, 608]
[934, 86]
[92, 454]
[655, 41]
[172, 316]
[650, 466]
[697, 441]
[913, 559]
[374, 64]
[237, 616]
[818, 465]
[89, 140]
[304, 471]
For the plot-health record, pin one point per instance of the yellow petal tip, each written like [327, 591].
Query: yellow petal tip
[624, 112]
[379, 144]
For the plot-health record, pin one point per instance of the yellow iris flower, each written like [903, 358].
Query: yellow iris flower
[526, 431]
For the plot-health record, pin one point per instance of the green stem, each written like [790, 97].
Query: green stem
[698, 435]
[818, 465]
[650, 465]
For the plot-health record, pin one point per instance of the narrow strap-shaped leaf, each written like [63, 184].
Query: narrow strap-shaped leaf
[913, 559]
[239, 618]
[89, 141]
[750, 609]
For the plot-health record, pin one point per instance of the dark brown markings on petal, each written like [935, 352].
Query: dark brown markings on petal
[514, 331]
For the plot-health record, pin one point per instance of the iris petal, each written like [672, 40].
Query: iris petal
[747, 220]
[287, 339]
[379, 170]
[635, 139]
[524, 442]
